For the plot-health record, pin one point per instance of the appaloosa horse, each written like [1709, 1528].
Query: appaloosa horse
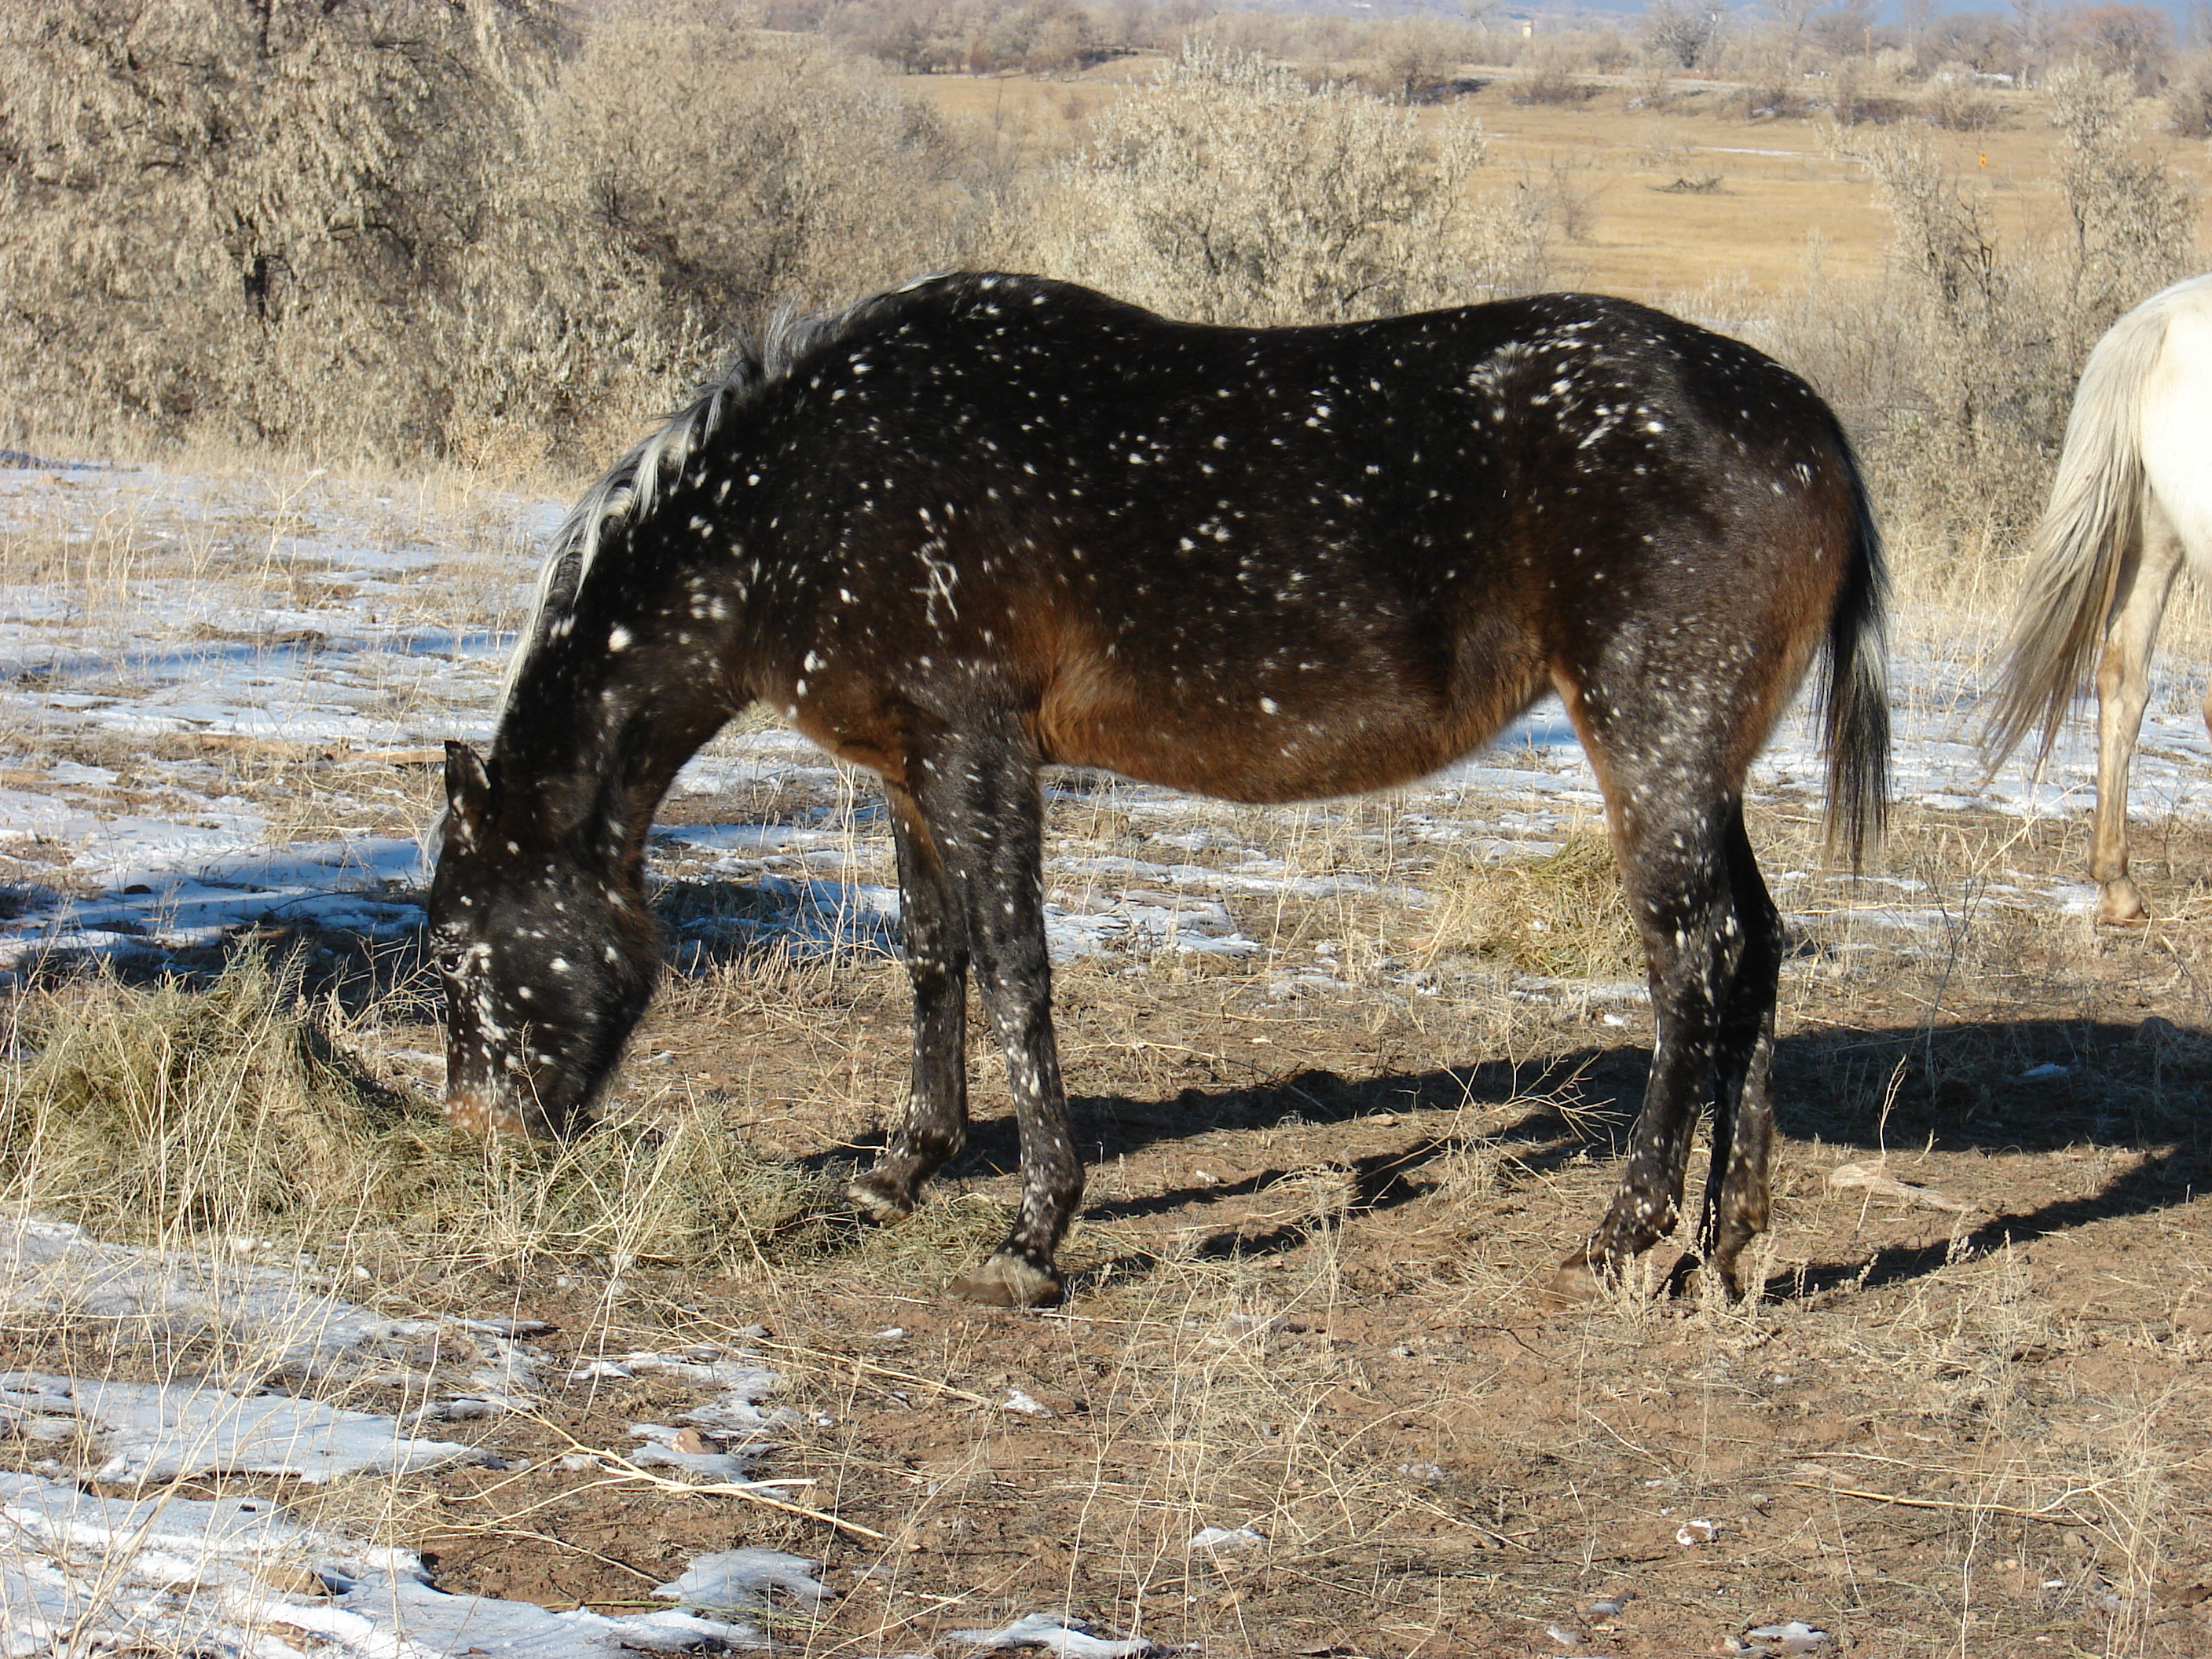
[987, 524]
[2132, 504]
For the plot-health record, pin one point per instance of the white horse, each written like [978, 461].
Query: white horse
[2131, 503]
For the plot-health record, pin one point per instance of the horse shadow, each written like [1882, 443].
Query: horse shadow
[2019, 1086]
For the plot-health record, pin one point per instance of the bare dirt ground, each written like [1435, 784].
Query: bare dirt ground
[1305, 1307]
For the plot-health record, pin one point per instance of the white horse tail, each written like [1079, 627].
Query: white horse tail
[2094, 520]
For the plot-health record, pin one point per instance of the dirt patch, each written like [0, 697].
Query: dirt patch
[1302, 1314]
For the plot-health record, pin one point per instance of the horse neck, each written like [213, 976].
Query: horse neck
[592, 739]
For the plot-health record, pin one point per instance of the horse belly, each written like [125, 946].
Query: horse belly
[1365, 731]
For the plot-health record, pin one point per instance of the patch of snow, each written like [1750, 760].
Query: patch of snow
[81, 1573]
[154, 1432]
[689, 1452]
[740, 1581]
[1069, 1637]
[1226, 1539]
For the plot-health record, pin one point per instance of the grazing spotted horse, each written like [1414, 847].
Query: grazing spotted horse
[987, 524]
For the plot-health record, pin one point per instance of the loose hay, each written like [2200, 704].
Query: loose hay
[1563, 916]
[150, 1114]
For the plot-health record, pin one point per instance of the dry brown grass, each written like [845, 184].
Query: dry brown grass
[1561, 915]
[170, 1114]
[1303, 1304]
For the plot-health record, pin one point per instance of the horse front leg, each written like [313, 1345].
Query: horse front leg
[2123, 690]
[933, 936]
[987, 819]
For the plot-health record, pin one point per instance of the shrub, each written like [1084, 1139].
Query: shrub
[1954, 100]
[2188, 101]
[1956, 373]
[233, 215]
[1228, 192]
[425, 226]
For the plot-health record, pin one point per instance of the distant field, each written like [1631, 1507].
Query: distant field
[1782, 207]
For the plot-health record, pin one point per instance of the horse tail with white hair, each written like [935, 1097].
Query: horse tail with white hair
[2094, 520]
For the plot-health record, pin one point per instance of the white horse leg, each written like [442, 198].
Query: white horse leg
[2122, 688]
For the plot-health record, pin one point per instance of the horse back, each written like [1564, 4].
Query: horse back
[1275, 563]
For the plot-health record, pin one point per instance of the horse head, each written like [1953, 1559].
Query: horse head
[546, 954]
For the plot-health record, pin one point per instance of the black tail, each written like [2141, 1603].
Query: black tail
[1855, 691]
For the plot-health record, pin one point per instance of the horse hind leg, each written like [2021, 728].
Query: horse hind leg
[2123, 690]
[1736, 1207]
[934, 940]
[1675, 865]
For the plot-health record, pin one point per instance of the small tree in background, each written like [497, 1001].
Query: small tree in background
[2134, 223]
[747, 173]
[1414, 57]
[1688, 31]
[1958, 372]
[234, 213]
[1228, 192]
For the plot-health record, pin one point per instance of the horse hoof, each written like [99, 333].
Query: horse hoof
[1573, 1284]
[1728, 1274]
[1006, 1281]
[475, 1113]
[2121, 905]
[873, 1200]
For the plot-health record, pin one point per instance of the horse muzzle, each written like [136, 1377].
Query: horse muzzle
[480, 1112]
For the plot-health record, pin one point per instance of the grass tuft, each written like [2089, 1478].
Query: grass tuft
[167, 1113]
[140, 1113]
[1563, 916]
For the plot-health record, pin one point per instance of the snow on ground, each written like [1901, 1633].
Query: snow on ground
[93, 1551]
[83, 1572]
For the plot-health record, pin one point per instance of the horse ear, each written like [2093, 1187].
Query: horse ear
[468, 796]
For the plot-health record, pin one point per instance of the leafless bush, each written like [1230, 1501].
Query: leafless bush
[1862, 90]
[979, 37]
[427, 227]
[1651, 82]
[1954, 100]
[1610, 53]
[229, 215]
[1228, 192]
[746, 172]
[2189, 100]
[1415, 57]
[1957, 371]
[1770, 81]
[1292, 37]
[1690, 32]
[2134, 223]
[1573, 200]
[1551, 79]
[684, 177]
